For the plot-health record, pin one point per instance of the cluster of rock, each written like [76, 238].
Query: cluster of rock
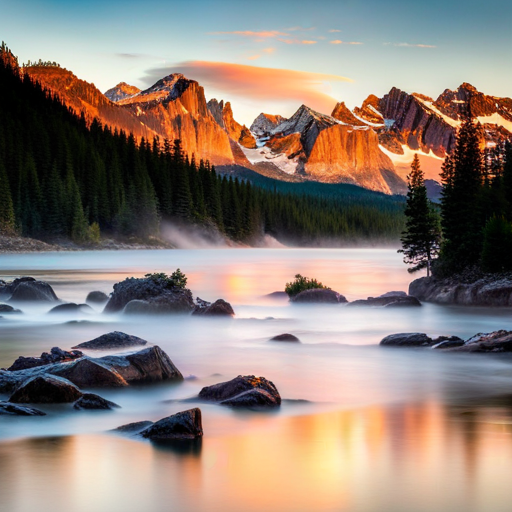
[27, 289]
[486, 291]
[494, 342]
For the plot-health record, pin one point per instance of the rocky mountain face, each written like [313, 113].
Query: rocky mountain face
[264, 124]
[121, 91]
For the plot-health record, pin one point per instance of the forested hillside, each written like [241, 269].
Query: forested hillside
[60, 177]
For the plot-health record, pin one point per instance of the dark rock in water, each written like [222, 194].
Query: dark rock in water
[443, 342]
[138, 307]
[19, 410]
[5, 309]
[92, 401]
[56, 355]
[285, 337]
[46, 389]
[71, 307]
[112, 340]
[90, 373]
[235, 388]
[318, 295]
[276, 295]
[133, 428]
[388, 301]
[96, 297]
[183, 425]
[149, 365]
[493, 342]
[392, 294]
[487, 291]
[162, 296]
[219, 308]
[414, 339]
[26, 289]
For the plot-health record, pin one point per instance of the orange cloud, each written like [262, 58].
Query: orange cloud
[265, 34]
[409, 45]
[333, 30]
[337, 41]
[269, 50]
[258, 84]
[297, 41]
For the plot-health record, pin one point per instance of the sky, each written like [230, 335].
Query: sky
[272, 56]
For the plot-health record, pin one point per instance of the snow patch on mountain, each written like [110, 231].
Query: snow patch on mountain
[264, 154]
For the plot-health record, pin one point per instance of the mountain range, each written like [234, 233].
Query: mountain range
[370, 146]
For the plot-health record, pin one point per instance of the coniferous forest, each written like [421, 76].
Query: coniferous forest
[60, 177]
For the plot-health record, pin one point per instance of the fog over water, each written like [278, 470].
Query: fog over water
[362, 428]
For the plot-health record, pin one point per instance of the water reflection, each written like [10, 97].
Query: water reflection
[419, 457]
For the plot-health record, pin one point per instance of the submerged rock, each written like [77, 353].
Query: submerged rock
[388, 300]
[46, 389]
[392, 294]
[493, 342]
[318, 295]
[414, 339]
[96, 297]
[71, 307]
[182, 425]
[443, 342]
[91, 401]
[161, 296]
[133, 428]
[285, 337]
[27, 289]
[56, 355]
[112, 340]
[219, 308]
[89, 372]
[5, 309]
[243, 391]
[7, 408]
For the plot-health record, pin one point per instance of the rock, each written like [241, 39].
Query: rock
[493, 342]
[443, 342]
[56, 355]
[138, 307]
[219, 308]
[96, 297]
[285, 337]
[27, 289]
[71, 307]
[162, 297]
[91, 401]
[228, 391]
[149, 365]
[487, 291]
[277, 295]
[414, 339]
[392, 294]
[387, 301]
[133, 428]
[46, 389]
[264, 124]
[183, 425]
[112, 340]
[5, 309]
[318, 295]
[90, 373]
[7, 408]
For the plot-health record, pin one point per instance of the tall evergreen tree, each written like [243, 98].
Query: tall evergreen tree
[421, 237]
[7, 218]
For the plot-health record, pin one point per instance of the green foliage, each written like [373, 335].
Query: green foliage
[302, 283]
[497, 245]
[176, 280]
[422, 234]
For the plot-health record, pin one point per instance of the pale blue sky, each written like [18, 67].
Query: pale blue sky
[417, 47]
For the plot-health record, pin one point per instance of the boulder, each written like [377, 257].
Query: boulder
[276, 296]
[493, 342]
[219, 308]
[56, 355]
[133, 428]
[443, 342]
[90, 373]
[138, 307]
[388, 301]
[96, 297]
[91, 401]
[28, 289]
[234, 392]
[318, 295]
[392, 294]
[5, 309]
[46, 389]
[149, 365]
[414, 339]
[7, 408]
[112, 340]
[182, 425]
[162, 296]
[71, 307]
[285, 337]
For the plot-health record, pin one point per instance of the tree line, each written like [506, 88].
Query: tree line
[475, 212]
[60, 177]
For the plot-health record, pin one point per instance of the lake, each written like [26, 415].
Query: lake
[361, 428]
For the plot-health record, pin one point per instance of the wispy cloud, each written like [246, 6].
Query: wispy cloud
[297, 41]
[269, 50]
[264, 34]
[409, 45]
[252, 83]
[337, 41]
[300, 29]
[334, 30]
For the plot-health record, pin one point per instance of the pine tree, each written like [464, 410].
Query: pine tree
[7, 218]
[421, 237]
[497, 245]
